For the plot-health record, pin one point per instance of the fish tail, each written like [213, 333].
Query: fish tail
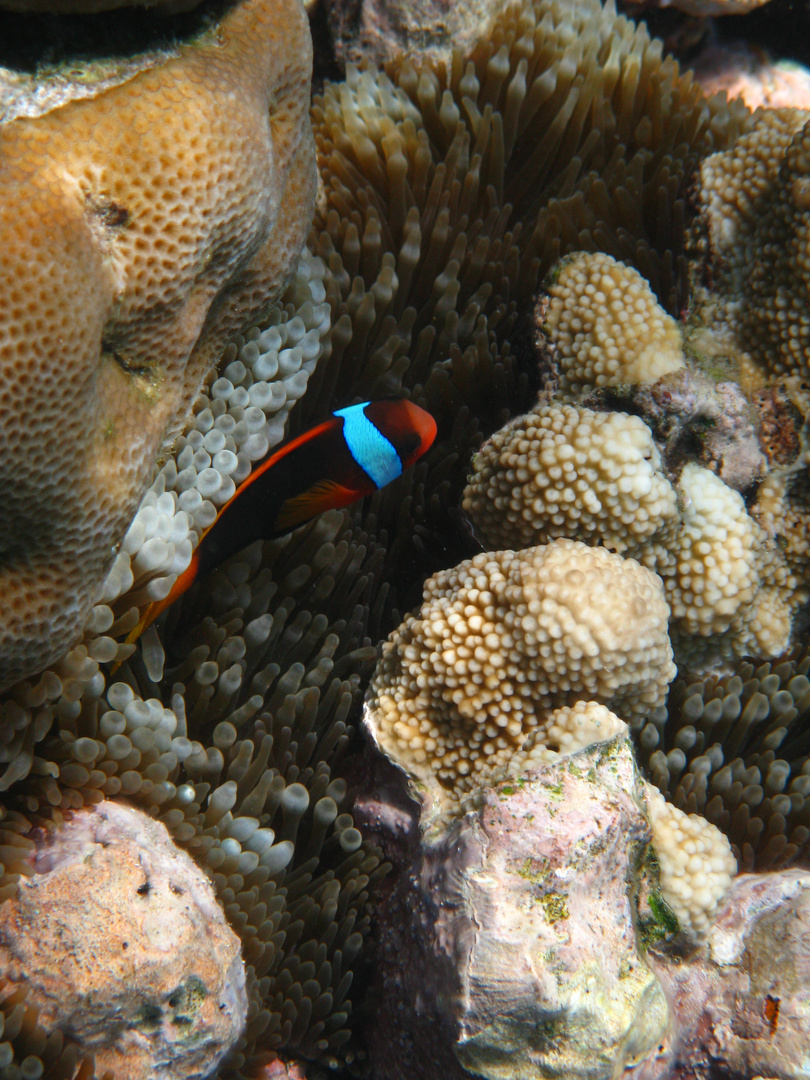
[151, 611]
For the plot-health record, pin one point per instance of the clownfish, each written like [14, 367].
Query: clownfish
[354, 453]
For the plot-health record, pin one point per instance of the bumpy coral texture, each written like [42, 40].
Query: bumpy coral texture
[716, 571]
[754, 236]
[726, 577]
[567, 730]
[141, 228]
[598, 477]
[564, 470]
[607, 326]
[696, 862]
[502, 639]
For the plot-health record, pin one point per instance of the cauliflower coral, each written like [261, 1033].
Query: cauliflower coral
[656, 485]
[607, 326]
[564, 470]
[504, 639]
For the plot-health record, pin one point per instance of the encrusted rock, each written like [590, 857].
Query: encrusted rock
[740, 1007]
[118, 941]
[496, 957]
[377, 30]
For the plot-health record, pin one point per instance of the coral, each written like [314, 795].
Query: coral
[494, 959]
[563, 470]
[744, 70]
[695, 859]
[237, 417]
[606, 326]
[598, 477]
[567, 730]
[142, 227]
[115, 936]
[751, 239]
[715, 573]
[448, 189]
[502, 639]
[239, 769]
[240, 414]
[728, 580]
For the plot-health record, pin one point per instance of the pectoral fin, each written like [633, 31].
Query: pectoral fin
[325, 495]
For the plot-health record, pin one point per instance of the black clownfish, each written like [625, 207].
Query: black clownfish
[355, 452]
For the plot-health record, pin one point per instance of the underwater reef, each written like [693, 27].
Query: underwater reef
[593, 278]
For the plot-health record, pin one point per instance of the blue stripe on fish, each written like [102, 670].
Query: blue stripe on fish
[375, 454]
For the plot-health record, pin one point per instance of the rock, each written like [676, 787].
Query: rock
[123, 948]
[741, 1005]
[507, 947]
[377, 30]
[743, 70]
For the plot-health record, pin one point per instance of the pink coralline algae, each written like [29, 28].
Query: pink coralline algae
[117, 941]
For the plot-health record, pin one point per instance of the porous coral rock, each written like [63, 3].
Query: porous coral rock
[696, 861]
[142, 227]
[606, 326]
[494, 959]
[376, 31]
[563, 470]
[116, 940]
[502, 639]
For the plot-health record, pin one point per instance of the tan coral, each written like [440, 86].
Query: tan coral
[696, 861]
[503, 639]
[715, 571]
[754, 233]
[564, 470]
[141, 227]
[607, 326]
[567, 730]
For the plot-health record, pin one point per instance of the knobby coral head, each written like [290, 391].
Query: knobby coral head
[141, 226]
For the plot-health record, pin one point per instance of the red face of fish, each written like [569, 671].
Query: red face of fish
[410, 429]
